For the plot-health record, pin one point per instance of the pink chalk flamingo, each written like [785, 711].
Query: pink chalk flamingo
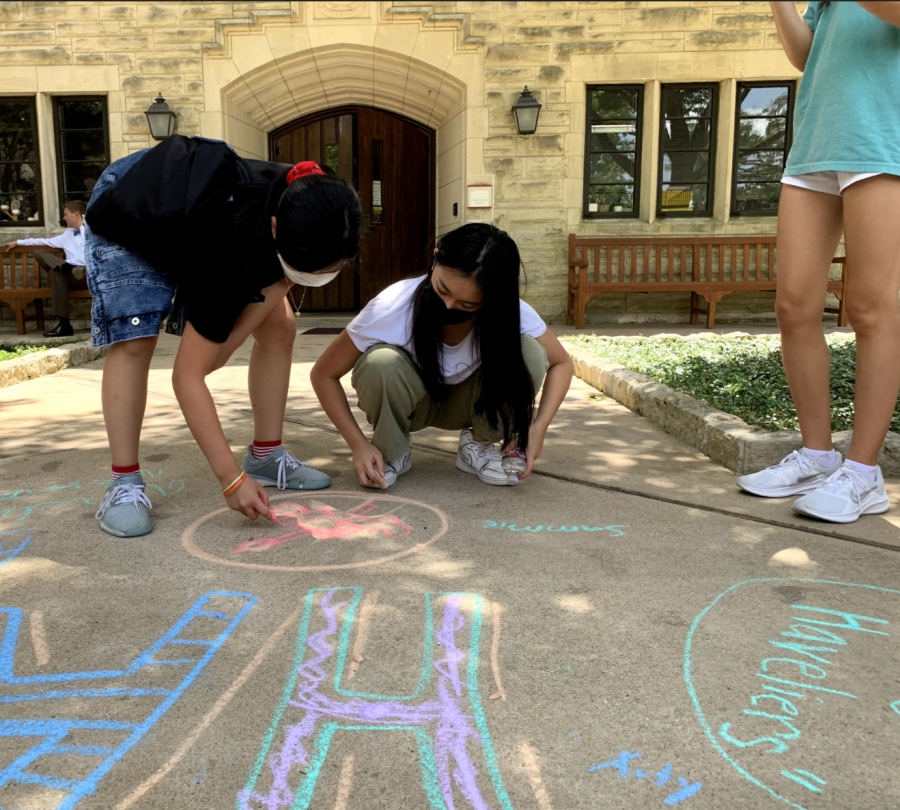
[328, 523]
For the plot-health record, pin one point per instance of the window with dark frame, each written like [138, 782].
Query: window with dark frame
[20, 170]
[687, 149]
[82, 145]
[613, 151]
[764, 112]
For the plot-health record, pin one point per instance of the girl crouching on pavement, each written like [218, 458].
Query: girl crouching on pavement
[454, 349]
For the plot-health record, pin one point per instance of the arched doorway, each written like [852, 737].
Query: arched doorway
[390, 160]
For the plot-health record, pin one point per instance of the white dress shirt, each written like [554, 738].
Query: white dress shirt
[70, 240]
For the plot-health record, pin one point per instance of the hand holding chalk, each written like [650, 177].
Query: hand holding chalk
[251, 500]
[369, 465]
[535, 448]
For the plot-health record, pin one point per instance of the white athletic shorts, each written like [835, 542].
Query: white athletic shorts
[827, 182]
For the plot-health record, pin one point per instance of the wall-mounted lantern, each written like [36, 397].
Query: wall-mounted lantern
[161, 119]
[525, 112]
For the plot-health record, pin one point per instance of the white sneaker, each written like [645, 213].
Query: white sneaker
[845, 496]
[394, 469]
[794, 475]
[481, 459]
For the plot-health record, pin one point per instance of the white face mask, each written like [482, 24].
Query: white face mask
[308, 279]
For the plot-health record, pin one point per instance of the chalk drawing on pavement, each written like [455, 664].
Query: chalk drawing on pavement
[120, 699]
[533, 771]
[443, 714]
[327, 523]
[7, 553]
[817, 660]
[614, 531]
[39, 638]
[20, 504]
[321, 531]
[684, 788]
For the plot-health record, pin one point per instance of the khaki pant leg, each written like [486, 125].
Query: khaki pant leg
[392, 396]
[455, 412]
[47, 260]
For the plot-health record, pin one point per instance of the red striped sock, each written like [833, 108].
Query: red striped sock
[263, 449]
[131, 469]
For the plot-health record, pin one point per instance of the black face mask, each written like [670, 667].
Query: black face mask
[442, 314]
[450, 317]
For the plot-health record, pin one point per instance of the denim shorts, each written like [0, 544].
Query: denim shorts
[131, 298]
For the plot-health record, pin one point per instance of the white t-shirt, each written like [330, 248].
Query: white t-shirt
[387, 318]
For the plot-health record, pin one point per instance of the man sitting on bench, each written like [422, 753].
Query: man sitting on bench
[65, 275]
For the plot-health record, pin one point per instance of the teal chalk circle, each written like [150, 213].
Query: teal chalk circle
[810, 667]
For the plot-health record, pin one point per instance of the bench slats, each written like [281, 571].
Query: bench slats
[22, 281]
[707, 267]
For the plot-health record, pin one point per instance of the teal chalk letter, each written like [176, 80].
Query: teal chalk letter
[443, 714]
[851, 620]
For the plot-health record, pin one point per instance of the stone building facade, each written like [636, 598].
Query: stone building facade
[239, 70]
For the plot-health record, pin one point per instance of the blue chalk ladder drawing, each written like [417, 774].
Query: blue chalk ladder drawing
[55, 730]
[6, 554]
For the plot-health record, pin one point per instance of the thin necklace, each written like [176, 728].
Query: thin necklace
[291, 293]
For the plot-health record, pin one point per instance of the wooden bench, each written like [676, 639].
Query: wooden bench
[709, 268]
[22, 281]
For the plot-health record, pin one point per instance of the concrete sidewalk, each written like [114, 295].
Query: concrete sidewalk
[623, 629]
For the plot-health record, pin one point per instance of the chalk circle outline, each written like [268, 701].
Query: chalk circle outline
[189, 544]
[698, 709]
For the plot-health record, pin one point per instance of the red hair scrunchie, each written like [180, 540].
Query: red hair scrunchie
[303, 169]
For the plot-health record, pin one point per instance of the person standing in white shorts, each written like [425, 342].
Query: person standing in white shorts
[842, 176]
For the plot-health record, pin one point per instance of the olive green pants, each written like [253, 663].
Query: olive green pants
[393, 397]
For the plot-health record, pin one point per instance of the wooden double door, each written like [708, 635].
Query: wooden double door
[390, 160]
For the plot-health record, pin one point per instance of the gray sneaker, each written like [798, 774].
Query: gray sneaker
[394, 469]
[124, 509]
[284, 471]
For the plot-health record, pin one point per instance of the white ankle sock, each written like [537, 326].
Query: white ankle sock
[870, 472]
[822, 456]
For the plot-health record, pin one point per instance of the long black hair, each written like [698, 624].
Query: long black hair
[319, 219]
[491, 259]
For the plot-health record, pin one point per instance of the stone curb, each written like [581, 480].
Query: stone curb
[40, 364]
[726, 439]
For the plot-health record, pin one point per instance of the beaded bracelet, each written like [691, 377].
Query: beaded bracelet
[234, 484]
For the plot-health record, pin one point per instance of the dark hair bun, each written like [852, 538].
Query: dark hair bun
[319, 222]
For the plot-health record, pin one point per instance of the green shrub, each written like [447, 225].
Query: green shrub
[19, 351]
[742, 376]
